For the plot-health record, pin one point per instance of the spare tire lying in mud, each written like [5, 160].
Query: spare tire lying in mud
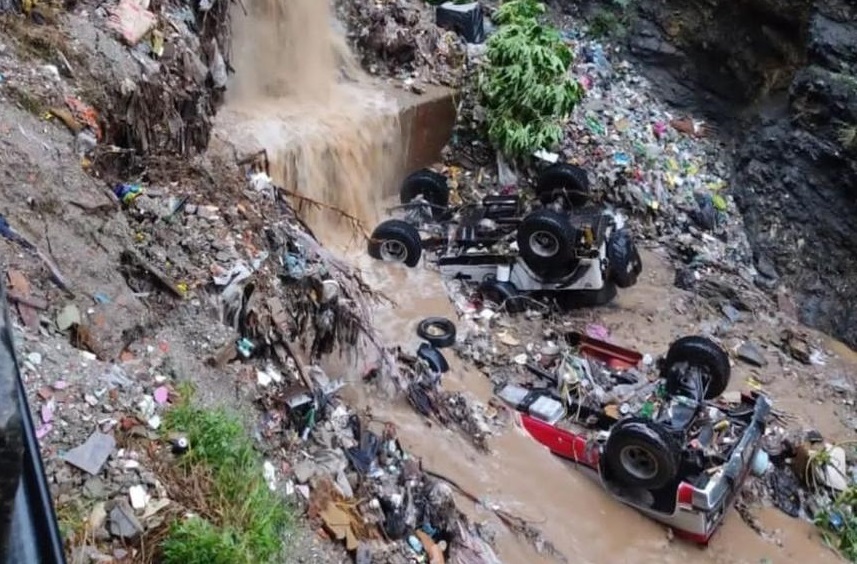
[430, 185]
[546, 242]
[438, 331]
[503, 294]
[699, 352]
[565, 181]
[624, 262]
[395, 240]
[641, 453]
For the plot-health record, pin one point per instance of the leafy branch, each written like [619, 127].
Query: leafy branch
[525, 86]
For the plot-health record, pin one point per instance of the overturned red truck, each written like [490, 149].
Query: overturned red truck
[668, 446]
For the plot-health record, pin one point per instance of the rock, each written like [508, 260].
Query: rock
[795, 168]
[91, 455]
[765, 267]
[69, 316]
[123, 523]
[751, 354]
[304, 470]
[89, 554]
[685, 279]
[94, 488]
[731, 313]
[841, 385]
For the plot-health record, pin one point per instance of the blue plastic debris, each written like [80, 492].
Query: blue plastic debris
[295, 265]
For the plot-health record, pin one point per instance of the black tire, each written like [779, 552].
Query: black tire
[503, 294]
[701, 352]
[438, 331]
[431, 185]
[563, 180]
[641, 453]
[395, 240]
[624, 262]
[546, 241]
[433, 357]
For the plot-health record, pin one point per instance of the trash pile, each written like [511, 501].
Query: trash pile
[403, 40]
[98, 424]
[359, 484]
[809, 478]
[141, 76]
[669, 169]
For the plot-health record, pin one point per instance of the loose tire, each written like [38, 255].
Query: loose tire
[703, 353]
[562, 180]
[641, 453]
[438, 331]
[624, 262]
[546, 241]
[433, 357]
[431, 185]
[503, 294]
[395, 240]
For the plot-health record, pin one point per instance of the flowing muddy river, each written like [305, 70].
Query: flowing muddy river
[339, 142]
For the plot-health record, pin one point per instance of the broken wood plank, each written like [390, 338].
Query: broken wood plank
[19, 286]
[158, 274]
[29, 301]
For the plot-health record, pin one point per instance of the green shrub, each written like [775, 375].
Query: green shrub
[525, 86]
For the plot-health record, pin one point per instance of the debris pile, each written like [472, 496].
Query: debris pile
[361, 486]
[402, 40]
[140, 77]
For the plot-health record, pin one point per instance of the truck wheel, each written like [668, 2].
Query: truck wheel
[546, 241]
[703, 353]
[503, 294]
[438, 331]
[624, 262]
[569, 182]
[431, 185]
[395, 240]
[641, 453]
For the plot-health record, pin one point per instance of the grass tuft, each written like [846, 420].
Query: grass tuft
[241, 521]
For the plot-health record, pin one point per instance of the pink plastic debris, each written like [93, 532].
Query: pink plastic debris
[597, 331]
[42, 431]
[47, 414]
[162, 394]
[659, 128]
[60, 385]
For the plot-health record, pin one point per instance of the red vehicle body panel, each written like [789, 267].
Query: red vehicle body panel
[578, 448]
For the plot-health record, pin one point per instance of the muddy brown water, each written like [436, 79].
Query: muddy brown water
[341, 142]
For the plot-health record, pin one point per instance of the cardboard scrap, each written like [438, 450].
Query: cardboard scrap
[338, 523]
[434, 552]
